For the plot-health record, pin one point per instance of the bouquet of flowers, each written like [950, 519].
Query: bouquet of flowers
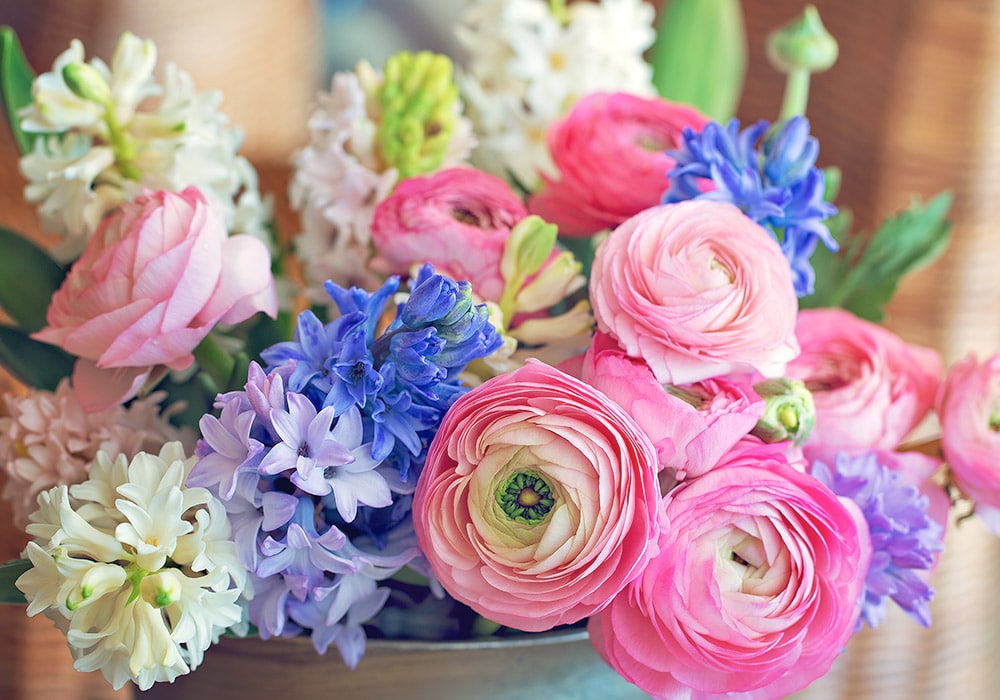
[558, 344]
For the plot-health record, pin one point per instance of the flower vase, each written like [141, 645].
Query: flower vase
[555, 665]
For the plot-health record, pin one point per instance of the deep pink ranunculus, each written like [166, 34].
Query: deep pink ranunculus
[458, 219]
[968, 406]
[610, 151]
[870, 388]
[755, 590]
[157, 275]
[538, 501]
[691, 425]
[698, 290]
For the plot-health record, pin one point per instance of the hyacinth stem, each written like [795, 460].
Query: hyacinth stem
[796, 95]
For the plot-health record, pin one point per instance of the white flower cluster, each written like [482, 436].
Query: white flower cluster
[339, 179]
[137, 570]
[108, 132]
[527, 66]
[46, 439]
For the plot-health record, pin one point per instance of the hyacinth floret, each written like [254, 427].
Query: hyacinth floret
[905, 539]
[316, 458]
[770, 175]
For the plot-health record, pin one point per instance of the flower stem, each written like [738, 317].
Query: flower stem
[214, 361]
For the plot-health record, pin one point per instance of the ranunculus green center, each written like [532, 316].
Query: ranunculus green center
[525, 496]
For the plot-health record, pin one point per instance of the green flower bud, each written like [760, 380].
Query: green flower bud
[800, 48]
[529, 245]
[803, 43]
[86, 82]
[417, 99]
[789, 413]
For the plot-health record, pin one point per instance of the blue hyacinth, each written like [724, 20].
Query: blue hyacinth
[316, 458]
[904, 537]
[772, 178]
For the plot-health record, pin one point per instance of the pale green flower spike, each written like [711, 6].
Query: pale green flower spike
[789, 412]
[800, 48]
[418, 100]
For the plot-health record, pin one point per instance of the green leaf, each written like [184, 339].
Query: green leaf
[700, 55]
[28, 279]
[863, 276]
[9, 572]
[32, 362]
[16, 77]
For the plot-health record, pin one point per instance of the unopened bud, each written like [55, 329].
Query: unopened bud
[802, 44]
[789, 412]
[86, 82]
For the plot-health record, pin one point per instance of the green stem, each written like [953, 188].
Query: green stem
[214, 361]
[796, 94]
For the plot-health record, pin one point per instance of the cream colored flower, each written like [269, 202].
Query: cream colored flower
[137, 569]
[121, 131]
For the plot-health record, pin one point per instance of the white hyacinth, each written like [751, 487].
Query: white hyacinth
[115, 131]
[138, 570]
[339, 178]
[527, 66]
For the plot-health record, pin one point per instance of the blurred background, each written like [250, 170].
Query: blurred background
[909, 109]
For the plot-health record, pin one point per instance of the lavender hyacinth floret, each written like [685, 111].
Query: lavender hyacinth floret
[905, 539]
[316, 458]
[771, 177]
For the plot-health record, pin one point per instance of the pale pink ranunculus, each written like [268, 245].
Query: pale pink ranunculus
[698, 290]
[870, 388]
[457, 219]
[159, 273]
[538, 501]
[692, 426]
[754, 592]
[610, 151]
[968, 406]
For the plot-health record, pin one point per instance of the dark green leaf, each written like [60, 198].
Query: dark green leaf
[700, 55]
[9, 572]
[16, 77]
[33, 363]
[28, 279]
[863, 276]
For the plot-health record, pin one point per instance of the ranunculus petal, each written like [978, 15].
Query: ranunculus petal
[540, 435]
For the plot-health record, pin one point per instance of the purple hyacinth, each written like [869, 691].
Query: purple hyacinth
[316, 458]
[904, 537]
[771, 177]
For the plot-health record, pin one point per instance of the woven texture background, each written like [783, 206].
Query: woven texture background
[909, 109]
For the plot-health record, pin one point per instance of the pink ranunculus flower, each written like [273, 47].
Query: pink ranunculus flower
[154, 279]
[870, 388]
[692, 426]
[968, 406]
[698, 290]
[755, 590]
[610, 151]
[539, 500]
[458, 219]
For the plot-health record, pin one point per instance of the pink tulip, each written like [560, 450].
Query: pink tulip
[158, 274]
[539, 501]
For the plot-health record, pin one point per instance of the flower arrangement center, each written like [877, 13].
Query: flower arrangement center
[525, 496]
